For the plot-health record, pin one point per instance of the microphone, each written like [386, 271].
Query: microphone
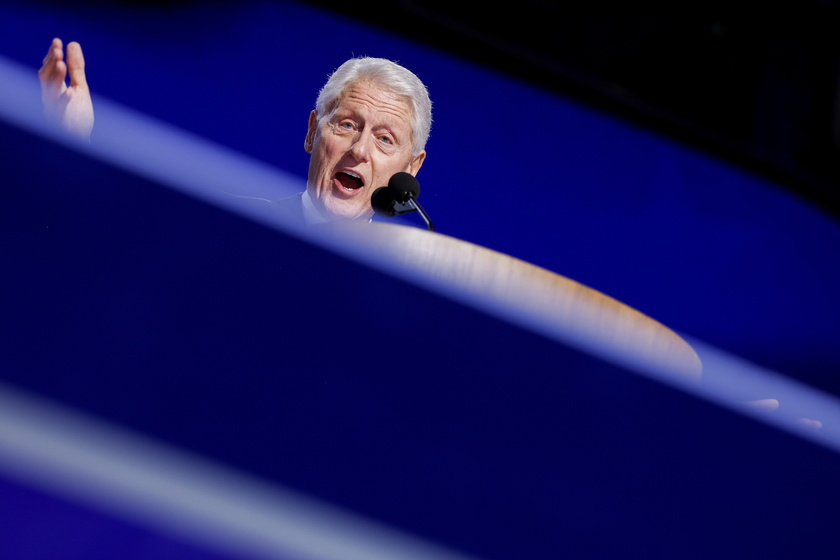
[399, 197]
[383, 200]
[405, 186]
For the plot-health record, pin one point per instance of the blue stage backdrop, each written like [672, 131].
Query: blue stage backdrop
[708, 249]
[711, 250]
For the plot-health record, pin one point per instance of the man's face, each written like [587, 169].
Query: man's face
[364, 142]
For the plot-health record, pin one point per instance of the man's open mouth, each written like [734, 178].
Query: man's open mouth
[349, 180]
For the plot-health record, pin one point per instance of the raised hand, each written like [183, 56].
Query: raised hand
[69, 107]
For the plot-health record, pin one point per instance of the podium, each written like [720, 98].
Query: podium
[533, 297]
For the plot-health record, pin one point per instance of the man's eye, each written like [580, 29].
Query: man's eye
[344, 125]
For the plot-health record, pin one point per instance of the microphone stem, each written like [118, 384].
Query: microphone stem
[416, 205]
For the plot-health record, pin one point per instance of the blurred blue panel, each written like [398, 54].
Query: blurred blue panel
[40, 525]
[165, 315]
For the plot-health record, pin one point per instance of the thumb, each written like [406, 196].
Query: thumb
[75, 61]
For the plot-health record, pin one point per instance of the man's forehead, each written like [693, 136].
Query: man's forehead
[370, 97]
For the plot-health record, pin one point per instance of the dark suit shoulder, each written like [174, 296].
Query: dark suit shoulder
[290, 207]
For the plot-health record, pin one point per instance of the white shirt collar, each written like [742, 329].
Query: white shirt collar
[311, 215]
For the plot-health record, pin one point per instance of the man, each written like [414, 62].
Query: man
[371, 120]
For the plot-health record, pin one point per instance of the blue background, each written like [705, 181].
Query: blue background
[709, 249]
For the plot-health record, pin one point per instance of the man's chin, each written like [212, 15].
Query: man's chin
[347, 209]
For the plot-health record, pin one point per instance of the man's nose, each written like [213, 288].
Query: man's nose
[360, 150]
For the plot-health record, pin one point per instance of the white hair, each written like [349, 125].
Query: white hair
[393, 78]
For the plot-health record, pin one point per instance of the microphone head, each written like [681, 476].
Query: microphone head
[405, 186]
[382, 200]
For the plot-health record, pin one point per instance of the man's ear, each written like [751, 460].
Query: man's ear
[416, 163]
[310, 132]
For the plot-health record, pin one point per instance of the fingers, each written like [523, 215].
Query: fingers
[54, 55]
[69, 107]
[76, 65]
[54, 51]
[54, 69]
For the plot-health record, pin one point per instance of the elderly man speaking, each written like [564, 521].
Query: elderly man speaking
[371, 120]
